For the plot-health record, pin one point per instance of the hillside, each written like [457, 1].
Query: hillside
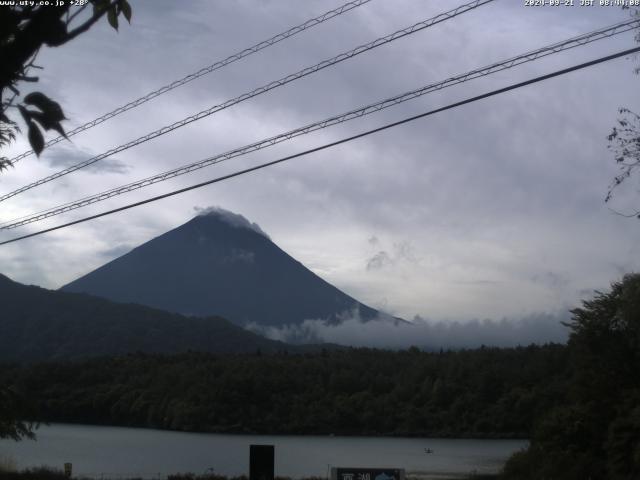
[39, 324]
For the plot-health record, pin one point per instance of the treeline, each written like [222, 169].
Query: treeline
[578, 404]
[486, 392]
[594, 433]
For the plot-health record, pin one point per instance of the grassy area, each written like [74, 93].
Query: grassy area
[32, 474]
[45, 473]
[7, 464]
[9, 472]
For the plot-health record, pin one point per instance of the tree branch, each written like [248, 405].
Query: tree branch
[626, 215]
[87, 25]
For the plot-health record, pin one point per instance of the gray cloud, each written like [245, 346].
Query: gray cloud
[427, 334]
[116, 251]
[403, 251]
[480, 282]
[233, 219]
[378, 261]
[493, 209]
[551, 279]
[64, 156]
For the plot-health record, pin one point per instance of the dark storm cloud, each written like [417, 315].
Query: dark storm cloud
[61, 157]
[493, 209]
[402, 252]
[378, 261]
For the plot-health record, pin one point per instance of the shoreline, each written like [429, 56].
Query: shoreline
[49, 473]
[120, 452]
[303, 435]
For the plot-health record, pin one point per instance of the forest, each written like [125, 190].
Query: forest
[579, 404]
[480, 393]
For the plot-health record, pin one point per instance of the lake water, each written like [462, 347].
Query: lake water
[115, 452]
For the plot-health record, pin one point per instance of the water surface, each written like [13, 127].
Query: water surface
[115, 452]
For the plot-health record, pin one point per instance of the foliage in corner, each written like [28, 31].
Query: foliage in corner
[595, 432]
[12, 411]
[624, 141]
[24, 30]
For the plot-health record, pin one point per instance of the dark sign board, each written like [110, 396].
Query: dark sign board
[367, 473]
[261, 460]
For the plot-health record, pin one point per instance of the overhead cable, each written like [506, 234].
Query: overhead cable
[203, 71]
[332, 144]
[584, 39]
[258, 91]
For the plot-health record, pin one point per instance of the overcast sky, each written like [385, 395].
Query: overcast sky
[490, 210]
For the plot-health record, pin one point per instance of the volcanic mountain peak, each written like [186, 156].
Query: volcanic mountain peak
[219, 263]
[233, 219]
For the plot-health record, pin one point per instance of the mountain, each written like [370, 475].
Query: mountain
[38, 324]
[219, 263]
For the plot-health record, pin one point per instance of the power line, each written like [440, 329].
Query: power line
[584, 39]
[204, 71]
[258, 91]
[333, 144]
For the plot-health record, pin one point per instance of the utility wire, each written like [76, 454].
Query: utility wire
[204, 71]
[599, 34]
[333, 144]
[258, 91]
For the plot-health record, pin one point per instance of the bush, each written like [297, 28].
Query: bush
[42, 473]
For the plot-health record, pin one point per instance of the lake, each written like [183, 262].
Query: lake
[118, 452]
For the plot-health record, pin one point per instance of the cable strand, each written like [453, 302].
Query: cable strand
[203, 71]
[337, 119]
[332, 144]
[258, 91]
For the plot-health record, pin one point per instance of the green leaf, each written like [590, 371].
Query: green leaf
[5, 163]
[35, 138]
[55, 33]
[52, 109]
[26, 114]
[126, 9]
[58, 128]
[99, 6]
[37, 98]
[41, 118]
[112, 17]
[48, 123]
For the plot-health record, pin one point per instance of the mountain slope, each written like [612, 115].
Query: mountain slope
[220, 264]
[38, 324]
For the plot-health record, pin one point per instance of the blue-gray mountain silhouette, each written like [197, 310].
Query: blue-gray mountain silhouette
[219, 263]
[44, 325]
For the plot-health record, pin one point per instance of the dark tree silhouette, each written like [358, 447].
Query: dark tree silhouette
[624, 142]
[12, 408]
[24, 30]
[595, 431]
